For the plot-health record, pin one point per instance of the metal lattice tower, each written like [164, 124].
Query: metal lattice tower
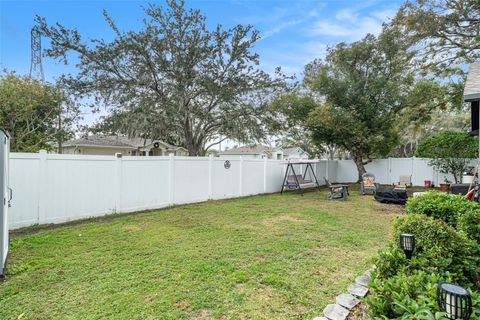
[36, 68]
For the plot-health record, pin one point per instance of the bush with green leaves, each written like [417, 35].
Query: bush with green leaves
[449, 151]
[469, 222]
[404, 295]
[439, 248]
[406, 289]
[441, 205]
[410, 296]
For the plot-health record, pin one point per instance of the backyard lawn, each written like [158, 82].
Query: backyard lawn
[263, 257]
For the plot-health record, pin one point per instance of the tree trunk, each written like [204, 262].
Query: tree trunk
[358, 159]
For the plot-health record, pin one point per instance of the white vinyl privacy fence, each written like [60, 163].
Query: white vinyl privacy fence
[54, 188]
[388, 171]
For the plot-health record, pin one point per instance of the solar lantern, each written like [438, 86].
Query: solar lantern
[407, 243]
[454, 300]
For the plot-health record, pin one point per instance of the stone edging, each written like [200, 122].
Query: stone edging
[345, 302]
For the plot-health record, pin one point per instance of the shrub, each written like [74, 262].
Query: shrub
[447, 232]
[449, 151]
[440, 248]
[404, 296]
[469, 222]
[440, 205]
[410, 296]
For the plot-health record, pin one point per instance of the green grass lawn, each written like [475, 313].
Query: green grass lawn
[263, 257]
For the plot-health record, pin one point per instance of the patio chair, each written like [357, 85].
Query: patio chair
[404, 182]
[337, 191]
[368, 183]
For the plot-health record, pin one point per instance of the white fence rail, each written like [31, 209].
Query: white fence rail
[53, 188]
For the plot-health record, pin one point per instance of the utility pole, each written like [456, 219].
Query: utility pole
[36, 68]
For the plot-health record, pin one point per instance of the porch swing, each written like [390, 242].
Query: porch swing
[294, 181]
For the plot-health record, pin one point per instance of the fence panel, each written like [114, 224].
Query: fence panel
[190, 179]
[252, 176]
[24, 181]
[73, 188]
[274, 176]
[145, 183]
[225, 182]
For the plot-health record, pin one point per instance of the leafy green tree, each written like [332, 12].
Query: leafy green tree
[174, 78]
[431, 107]
[450, 152]
[291, 109]
[443, 33]
[37, 115]
[362, 87]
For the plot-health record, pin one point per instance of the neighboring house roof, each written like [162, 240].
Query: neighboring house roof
[290, 150]
[472, 85]
[254, 149]
[115, 141]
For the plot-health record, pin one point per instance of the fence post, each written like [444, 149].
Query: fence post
[42, 188]
[240, 178]
[264, 175]
[326, 169]
[390, 170]
[171, 178]
[210, 177]
[118, 184]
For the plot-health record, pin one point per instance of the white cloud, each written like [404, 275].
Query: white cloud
[280, 27]
[350, 25]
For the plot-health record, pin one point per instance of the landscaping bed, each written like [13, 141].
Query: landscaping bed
[447, 249]
[263, 257]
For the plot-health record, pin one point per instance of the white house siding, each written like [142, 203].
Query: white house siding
[105, 151]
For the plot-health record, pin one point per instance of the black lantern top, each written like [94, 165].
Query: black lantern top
[407, 243]
[454, 300]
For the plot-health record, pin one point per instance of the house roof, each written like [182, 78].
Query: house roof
[290, 150]
[472, 85]
[254, 149]
[115, 141]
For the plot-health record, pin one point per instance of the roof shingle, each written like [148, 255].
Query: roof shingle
[472, 85]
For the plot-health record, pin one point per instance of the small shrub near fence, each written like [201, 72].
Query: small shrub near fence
[446, 229]
[441, 205]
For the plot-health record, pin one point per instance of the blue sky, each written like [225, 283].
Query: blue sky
[293, 32]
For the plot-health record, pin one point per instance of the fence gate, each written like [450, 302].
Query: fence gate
[6, 196]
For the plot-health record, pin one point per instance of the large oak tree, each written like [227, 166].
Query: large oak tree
[174, 79]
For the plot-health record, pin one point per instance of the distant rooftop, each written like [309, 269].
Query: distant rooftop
[254, 149]
[472, 85]
[113, 141]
